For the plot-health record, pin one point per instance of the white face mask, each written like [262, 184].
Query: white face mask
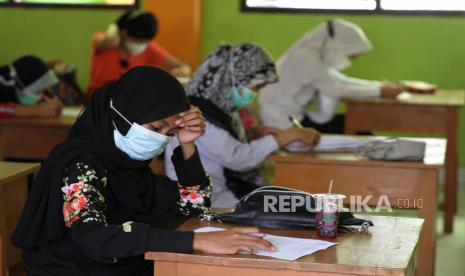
[337, 60]
[342, 63]
[135, 48]
[140, 143]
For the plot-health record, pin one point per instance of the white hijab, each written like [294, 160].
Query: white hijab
[348, 39]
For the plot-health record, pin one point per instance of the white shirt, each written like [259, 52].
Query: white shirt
[301, 76]
[219, 150]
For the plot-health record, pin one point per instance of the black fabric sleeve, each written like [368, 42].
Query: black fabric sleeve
[84, 211]
[108, 243]
[190, 171]
[193, 183]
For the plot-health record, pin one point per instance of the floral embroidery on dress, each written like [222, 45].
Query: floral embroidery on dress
[81, 200]
[88, 176]
[78, 198]
[75, 201]
[194, 200]
[104, 181]
[127, 227]
[191, 194]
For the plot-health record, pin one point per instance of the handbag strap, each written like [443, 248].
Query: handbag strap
[275, 189]
[374, 145]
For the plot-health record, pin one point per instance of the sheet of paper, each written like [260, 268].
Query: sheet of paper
[329, 143]
[336, 142]
[404, 96]
[297, 146]
[71, 111]
[287, 248]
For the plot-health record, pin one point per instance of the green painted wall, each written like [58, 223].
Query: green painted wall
[426, 48]
[52, 33]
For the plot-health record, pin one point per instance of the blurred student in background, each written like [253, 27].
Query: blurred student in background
[128, 43]
[309, 73]
[22, 89]
[227, 80]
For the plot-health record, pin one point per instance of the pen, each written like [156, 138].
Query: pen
[295, 122]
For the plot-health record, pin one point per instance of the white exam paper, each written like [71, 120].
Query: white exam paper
[287, 248]
[338, 142]
[328, 143]
[71, 111]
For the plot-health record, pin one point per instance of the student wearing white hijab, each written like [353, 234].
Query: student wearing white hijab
[309, 73]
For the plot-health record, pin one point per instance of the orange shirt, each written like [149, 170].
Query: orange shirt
[109, 65]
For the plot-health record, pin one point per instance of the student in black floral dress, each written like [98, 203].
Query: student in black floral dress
[90, 208]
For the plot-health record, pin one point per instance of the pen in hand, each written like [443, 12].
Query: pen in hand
[299, 125]
[258, 235]
[295, 122]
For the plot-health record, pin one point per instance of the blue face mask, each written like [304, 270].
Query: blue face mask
[244, 97]
[140, 143]
[28, 99]
[24, 94]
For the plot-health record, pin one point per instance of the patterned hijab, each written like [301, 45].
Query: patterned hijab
[210, 90]
[249, 63]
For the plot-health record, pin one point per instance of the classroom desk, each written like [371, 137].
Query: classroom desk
[13, 193]
[32, 138]
[406, 184]
[388, 248]
[436, 113]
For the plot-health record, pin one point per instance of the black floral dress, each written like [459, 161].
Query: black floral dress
[100, 243]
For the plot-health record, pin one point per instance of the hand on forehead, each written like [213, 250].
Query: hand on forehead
[163, 126]
[170, 125]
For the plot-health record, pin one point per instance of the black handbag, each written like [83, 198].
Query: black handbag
[67, 89]
[252, 210]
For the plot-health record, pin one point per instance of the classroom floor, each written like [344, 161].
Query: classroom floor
[450, 254]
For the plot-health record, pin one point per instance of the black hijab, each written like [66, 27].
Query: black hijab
[25, 72]
[142, 95]
[138, 24]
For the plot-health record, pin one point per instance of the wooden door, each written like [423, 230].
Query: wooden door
[180, 27]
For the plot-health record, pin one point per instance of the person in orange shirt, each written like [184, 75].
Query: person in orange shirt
[126, 44]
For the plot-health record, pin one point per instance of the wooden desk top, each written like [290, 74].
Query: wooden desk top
[440, 98]
[434, 156]
[62, 121]
[12, 170]
[67, 119]
[387, 246]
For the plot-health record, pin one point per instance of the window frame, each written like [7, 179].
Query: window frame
[377, 11]
[12, 4]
